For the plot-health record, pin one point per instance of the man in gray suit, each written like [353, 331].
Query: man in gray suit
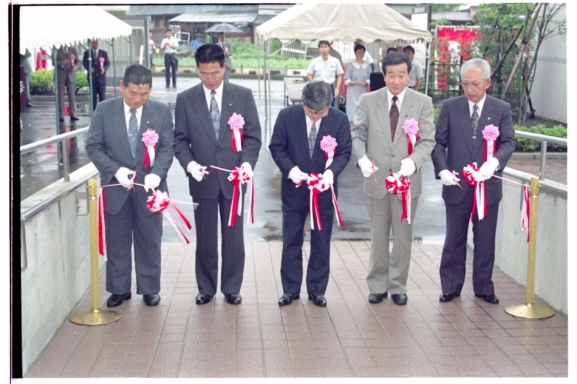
[116, 147]
[203, 137]
[378, 136]
[66, 60]
[225, 45]
[459, 142]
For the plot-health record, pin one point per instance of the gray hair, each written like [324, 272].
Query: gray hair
[477, 63]
[317, 95]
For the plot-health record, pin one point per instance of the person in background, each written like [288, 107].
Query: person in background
[326, 68]
[416, 76]
[151, 46]
[100, 65]
[357, 77]
[66, 61]
[169, 45]
[225, 45]
[25, 63]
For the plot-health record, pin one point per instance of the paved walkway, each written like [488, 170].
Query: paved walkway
[348, 338]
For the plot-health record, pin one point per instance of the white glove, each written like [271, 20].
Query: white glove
[487, 169]
[366, 166]
[151, 181]
[196, 170]
[408, 167]
[447, 178]
[247, 168]
[297, 176]
[122, 177]
[327, 180]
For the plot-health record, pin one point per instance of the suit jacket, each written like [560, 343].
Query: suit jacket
[108, 147]
[227, 60]
[454, 143]
[195, 140]
[372, 137]
[96, 63]
[289, 147]
[65, 69]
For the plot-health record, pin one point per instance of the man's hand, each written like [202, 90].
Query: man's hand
[448, 178]
[196, 170]
[366, 166]
[408, 167]
[151, 181]
[487, 169]
[297, 176]
[327, 180]
[122, 175]
[247, 169]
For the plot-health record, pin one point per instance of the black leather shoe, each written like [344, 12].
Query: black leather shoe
[319, 300]
[399, 299]
[375, 298]
[446, 297]
[491, 299]
[287, 299]
[151, 300]
[115, 300]
[74, 118]
[234, 298]
[203, 298]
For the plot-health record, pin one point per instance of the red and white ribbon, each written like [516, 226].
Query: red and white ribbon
[479, 199]
[315, 187]
[238, 177]
[340, 221]
[158, 202]
[236, 122]
[402, 185]
[101, 223]
[526, 211]
[149, 156]
[411, 142]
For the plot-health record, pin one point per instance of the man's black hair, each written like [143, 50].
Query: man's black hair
[209, 53]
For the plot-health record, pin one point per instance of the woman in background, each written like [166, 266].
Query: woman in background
[357, 77]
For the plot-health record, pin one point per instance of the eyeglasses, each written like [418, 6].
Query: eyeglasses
[318, 114]
[212, 75]
[467, 85]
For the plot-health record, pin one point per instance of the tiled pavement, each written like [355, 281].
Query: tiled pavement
[348, 338]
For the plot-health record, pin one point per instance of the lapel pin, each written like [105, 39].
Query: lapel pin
[230, 105]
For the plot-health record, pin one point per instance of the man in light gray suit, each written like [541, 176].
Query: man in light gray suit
[115, 145]
[378, 136]
[203, 137]
[225, 45]
[66, 61]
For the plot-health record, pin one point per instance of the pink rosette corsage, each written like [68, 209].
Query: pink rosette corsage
[72, 59]
[149, 138]
[328, 145]
[490, 134]
[411, 127]
[236, 122]
[101, 61]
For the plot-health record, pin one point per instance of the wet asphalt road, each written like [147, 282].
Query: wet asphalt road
[39, 169]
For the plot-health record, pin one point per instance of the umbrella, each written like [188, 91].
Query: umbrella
[224, 27]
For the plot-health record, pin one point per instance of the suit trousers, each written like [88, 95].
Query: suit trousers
[318, 268]
[206, 265]
[133, 221]
[452, 268]
[226, 73]
[388, 271]
[168, 64]
[70, 89]
[98, 89]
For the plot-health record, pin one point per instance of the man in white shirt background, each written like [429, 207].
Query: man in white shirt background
[416, 75]
[169, 45]
[326, 68]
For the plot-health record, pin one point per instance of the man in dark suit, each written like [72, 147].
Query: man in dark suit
[227, 48]
[115, 146]
[459, 142]
[66, 60]
[380, 147]
[295, 148]
[100, 64]
[203, 138]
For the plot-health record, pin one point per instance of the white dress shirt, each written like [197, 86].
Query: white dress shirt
[217, 96]
[400, 98]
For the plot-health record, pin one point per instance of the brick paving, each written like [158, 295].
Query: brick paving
[348, 338]
[555, 168]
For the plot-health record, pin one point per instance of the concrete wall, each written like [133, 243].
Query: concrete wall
[511, 251]
[57, 273]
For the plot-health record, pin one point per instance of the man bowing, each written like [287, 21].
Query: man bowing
[296, 149]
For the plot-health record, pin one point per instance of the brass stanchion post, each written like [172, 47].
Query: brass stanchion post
[95, 316]
[529, 310]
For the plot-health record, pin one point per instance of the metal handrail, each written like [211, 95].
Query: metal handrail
[544, 140]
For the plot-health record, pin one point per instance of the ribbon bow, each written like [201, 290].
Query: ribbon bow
[479, 198]
[402, 185]
[238, 177]
[158, 202]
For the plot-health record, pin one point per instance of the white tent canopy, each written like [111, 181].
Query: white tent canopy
[342, 22]
[47, 26]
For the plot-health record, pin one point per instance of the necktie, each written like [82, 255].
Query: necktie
[475, 121]
[394, 116]
[312, 138]
[132, 131]
[214, 114]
